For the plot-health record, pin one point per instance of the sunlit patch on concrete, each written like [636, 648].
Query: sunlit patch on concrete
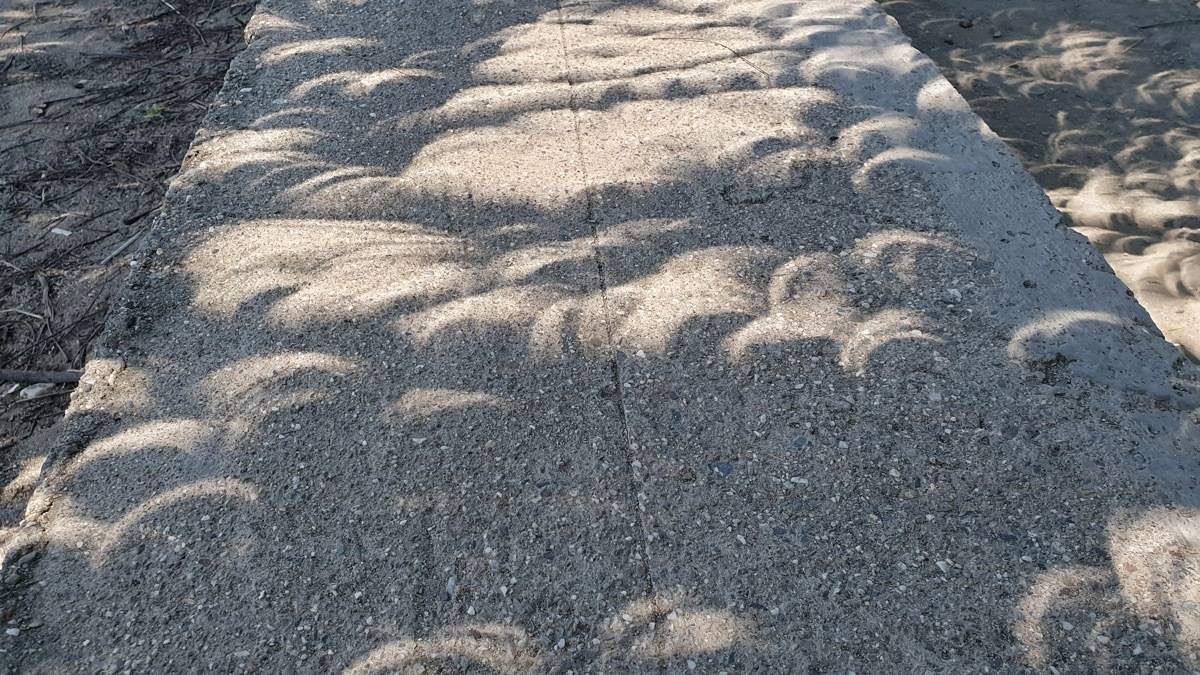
[288, 50]
[650, 311]
[356, 83]
[263, 380]
[418, 403]
[665, 627]
[264, 148]
[330, 270]
[182, 435]
[1154, 578]
[1053, 325]
[96, 539]
[1156, 557]
[499, 647]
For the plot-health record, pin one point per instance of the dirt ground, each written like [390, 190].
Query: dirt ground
[1101, 102]
[98, 104]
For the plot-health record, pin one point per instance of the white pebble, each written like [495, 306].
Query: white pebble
[943, 566]
[471, 610]
[691, 664]
[13, 631]
[894, 473]
[1102, 639]
[741, 540]
[35, 390]
[1067, 625]
[1137, 651]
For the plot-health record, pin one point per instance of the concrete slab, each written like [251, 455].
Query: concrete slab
[613, 336]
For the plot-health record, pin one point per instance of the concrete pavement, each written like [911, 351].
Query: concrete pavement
[612, 337]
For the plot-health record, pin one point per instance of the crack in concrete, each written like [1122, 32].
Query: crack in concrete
[628, 442]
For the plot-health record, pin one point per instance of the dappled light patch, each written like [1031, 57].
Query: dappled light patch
[333, 270]
[672, 627]
[271, 381]
[493, 646]
[417, 403]
[96, 539]
[1052, 326]
[650, 312]
[1102, 109]
[265, 147]
[185, 435]
[308, 48]
[356, 83]
[1151, 580]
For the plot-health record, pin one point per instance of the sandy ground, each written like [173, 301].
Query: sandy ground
[1101, 101]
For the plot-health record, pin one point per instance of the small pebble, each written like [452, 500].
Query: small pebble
[13, 631]
[35, 390]
[943, 566]
[691, 664]
[894, 473]
[1102, 639]
[1137, 651]
[723, 468]
[1067, 625]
